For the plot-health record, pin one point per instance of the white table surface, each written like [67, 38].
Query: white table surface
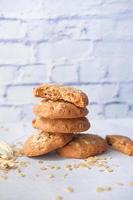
[37, 186]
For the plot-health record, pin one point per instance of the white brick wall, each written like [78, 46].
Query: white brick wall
[19, 95]
[15, 53]
[88, 44]
[8, 29]
[65, 49]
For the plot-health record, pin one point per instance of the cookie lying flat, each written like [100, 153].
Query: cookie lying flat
[121, 143]
[41, 143]
[83, 146]
[61, 125]
[58, 109]
[59, 92]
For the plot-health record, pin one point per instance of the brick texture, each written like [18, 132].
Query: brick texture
[87, 44]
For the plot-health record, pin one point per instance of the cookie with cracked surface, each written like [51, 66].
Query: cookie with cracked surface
[121, 143]
[83, 146]
[58, 109]
[41, 143]
[61, 125]
[59, 92]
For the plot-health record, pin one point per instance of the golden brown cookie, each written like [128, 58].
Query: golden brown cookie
[41, 143]
[59, 109]
[61, 125]
[83, 146]
[121, 143]
[59, 92]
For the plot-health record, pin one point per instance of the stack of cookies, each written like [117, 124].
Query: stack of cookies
[60, 118]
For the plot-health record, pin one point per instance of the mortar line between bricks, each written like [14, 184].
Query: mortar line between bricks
[72, 83]
[21, 65]
[56, 19]
[12, 41]
[15, 105]
[128, 14]
[93, 16]
[38, 42]
[95, 83]
[91, 103]
[12, 19]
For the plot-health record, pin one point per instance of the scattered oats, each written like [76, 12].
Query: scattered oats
[110, 170]
[68, 166]
[59, 198]
[107, 167]
[6, 151]
[83, 165]
[116, 165]
[69, 189]
[23, 163]
[90, 162]
[5, 171]
[131, 183]
[69, 169]
[103, 189]
[40, 161]
[57, 167]
[22, 175]
[99, 189]
[3, 178]
[11, 164]
[99, 165]
[120, 184]
[75, 166]
[64, 175]
[101, 170]
[52, 167]
[43, 168]
[18, 170]
[50, 176]
[7, 164]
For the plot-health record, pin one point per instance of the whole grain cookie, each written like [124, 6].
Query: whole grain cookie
[61, 125]
[41, 143]
[59, 109]
[121, 143]
[59, 92]
[83, 146]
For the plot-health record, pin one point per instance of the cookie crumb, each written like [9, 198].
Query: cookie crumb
[40, 161]
[59, 198]
[43, 168]
[120, 184]
[37, 175]
[50, 176]
[57, 167]
[23, 163]
[23, 175]
[131, 183]
[18, 170]
[3, 177]
[64, 175]
[69, 189]
[110, 170]
[103, 189]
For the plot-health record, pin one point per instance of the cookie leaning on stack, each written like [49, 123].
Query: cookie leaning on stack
[60, 114]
